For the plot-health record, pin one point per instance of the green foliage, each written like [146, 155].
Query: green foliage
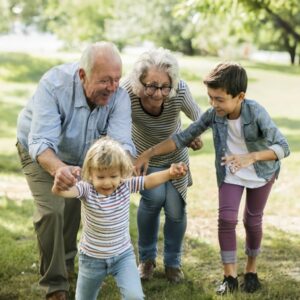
[5, 20]
[24, 67]
[76, 21]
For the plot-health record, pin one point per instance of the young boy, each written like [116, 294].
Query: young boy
[248, 148]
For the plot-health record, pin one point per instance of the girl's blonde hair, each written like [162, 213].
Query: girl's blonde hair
[104, 154]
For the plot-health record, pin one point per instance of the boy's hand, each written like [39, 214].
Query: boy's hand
[196, 144]
[178, 170]
[238, 161]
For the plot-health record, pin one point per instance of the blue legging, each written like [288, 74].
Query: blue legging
[152, 201]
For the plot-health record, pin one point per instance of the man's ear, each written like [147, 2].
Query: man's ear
[82, 74]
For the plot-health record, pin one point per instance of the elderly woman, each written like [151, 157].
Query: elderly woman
[157, 98]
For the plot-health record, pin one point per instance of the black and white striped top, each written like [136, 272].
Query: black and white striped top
[105, 219]
[149, 130]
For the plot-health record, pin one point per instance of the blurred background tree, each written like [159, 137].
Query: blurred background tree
[189, 26]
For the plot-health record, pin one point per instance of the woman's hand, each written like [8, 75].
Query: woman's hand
[141, 164]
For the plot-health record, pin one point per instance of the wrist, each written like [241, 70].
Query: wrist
[255, 156]
[151, 152]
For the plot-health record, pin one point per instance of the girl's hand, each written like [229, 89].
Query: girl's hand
[237, 161]
[178, 170]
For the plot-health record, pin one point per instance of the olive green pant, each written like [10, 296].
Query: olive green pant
[56, 221]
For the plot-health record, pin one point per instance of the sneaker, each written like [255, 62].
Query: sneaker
[146, 269]
[229, 285]
[174, 275]
[251, 283]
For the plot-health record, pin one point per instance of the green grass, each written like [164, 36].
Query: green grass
[276, 87]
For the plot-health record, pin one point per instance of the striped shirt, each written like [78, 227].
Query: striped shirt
[105, 219]
[149, 130]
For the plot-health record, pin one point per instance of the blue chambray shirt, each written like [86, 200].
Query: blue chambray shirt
[259, 131]
[58, 117]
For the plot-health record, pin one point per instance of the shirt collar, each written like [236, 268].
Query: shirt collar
[80, 99]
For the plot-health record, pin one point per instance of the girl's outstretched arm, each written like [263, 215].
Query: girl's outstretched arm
[174, 172]
[142, 161]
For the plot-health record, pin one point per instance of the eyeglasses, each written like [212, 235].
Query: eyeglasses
[151, 89]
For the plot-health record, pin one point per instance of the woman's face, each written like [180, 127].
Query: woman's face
[157, 86]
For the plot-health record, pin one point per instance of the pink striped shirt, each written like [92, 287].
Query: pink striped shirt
[105, 219]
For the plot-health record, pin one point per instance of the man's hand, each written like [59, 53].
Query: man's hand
[66, 177]
[178, 170]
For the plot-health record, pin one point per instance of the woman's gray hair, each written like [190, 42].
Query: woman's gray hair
[88, 55]
[160, 58]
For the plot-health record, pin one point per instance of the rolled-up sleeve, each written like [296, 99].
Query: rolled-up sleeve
[120, 121]
[276, 140]
[185, 137]
[46, 124]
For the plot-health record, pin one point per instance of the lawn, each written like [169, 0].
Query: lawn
[275, 86]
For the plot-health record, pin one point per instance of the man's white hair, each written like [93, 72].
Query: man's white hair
[87, 59]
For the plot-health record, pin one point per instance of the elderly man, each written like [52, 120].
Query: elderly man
[73, 106]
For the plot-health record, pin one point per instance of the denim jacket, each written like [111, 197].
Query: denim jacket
[259, 131]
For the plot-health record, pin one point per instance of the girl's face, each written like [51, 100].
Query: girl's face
[106, 181]
[224, 104]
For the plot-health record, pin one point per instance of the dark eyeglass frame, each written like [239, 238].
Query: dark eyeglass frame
[150, 89]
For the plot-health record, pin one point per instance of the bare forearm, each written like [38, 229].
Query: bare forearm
[154, 179]
[164, 147]
[263, 155]
[49, 161]
[70, 193]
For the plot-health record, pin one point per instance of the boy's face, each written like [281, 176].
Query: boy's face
[224, 104]
[106, 181]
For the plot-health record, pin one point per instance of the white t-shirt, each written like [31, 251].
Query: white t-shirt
[246, 177]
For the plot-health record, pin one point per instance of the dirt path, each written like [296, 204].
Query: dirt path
[203, 228]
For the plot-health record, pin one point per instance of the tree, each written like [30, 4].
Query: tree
[282, 18]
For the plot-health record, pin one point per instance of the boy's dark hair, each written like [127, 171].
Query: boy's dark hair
[231, 77]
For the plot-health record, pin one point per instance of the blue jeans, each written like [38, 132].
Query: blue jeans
[152, 201]
[92, 271]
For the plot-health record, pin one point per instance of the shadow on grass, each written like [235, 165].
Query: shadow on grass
[8, 117]
[287, 69]
[287, 123]
[10, 164]
[24, 67]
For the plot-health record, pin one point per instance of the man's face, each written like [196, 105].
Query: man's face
[103, 80]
